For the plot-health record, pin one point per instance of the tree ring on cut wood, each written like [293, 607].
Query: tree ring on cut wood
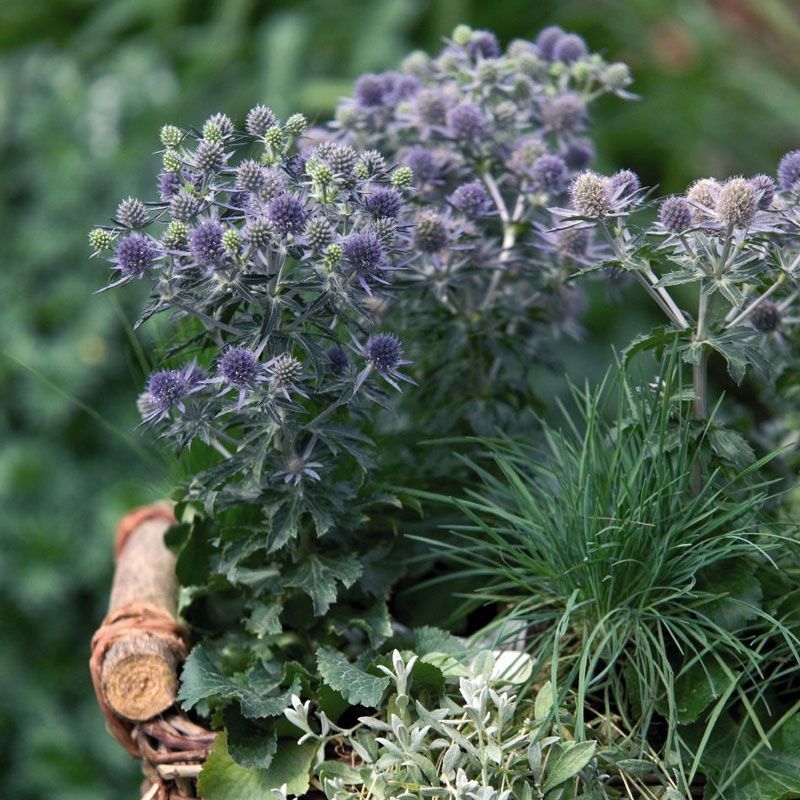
[139, 677]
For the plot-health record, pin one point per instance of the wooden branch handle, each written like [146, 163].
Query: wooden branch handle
[137, 650]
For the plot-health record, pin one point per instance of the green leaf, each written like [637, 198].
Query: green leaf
[375, 622]
[223, 779]
[696, 687]
[744, 769]
[428, 639]
[544, 702]
[249, 744]
[568, 762]
[192, 543]
[736, 347]
[355, 684]
[738, 591]
[318, 575]
[257, 690]
[265, 619]
[731, 447]
[657, 339]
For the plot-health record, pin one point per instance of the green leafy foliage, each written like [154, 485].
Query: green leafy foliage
[257, 690]
[223, 779]
[667, 590]
[356, 685]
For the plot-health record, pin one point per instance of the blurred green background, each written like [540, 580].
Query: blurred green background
[84, 88]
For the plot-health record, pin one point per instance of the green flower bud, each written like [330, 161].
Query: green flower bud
[616, 76]
[462, 35]
[416, 64]
[505, 112]
[362, 171]
[212, 132]
[347, 116]
[100, 239]
[232, 240]
[274, 138]
[172, 161]
[296, 125]
[171, 136]
[333, 256]
[402, 177]
[175, 235]
[319, 172]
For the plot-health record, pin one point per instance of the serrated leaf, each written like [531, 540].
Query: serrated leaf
[657, 339]
[567, 763]
[318, 575]
[223, 779]
[731, 447]
[257, 690]
[356, 685]
[428, 639]
[375, 622]
[737, 348]
[264, 619]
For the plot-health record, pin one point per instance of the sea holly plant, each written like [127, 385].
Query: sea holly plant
[270, 259]
[310, 281]
[734, 241]
[493, 137]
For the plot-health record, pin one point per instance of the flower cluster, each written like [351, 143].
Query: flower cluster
[492, 138]
[270, 251]
[737, 240]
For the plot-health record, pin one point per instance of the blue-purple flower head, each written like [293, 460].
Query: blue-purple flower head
[136, 254]
[384, 202]
[338, 360]
[466, 121]
[547, 40]
[675, 214]
[471, 198]
[570, 48]
[370, 91]
[623, 186]
[364, 252]
[166, 388]
[549, 173]
[483, 44]
[578, 153]
[239, 367]
[259, 120]
[764, 190]
[287, 213]
[169, 183]
[384, 352]
[251, 176]
[789, 171]
[424, 163]
[564, 113]
[205, 243]
[399, 87]
[430, 106]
